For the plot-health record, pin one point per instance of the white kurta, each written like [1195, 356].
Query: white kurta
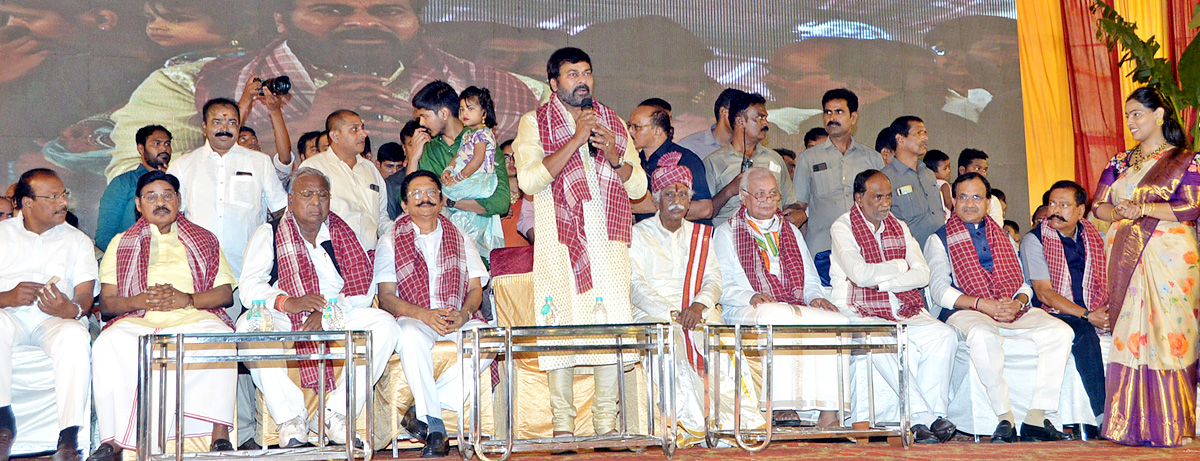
[357, 195]
[229, 195]
[64, 252]
[553, 277]
[799, 381]
[931, 343]
[985, 336]
[284, 398]
[659, 258]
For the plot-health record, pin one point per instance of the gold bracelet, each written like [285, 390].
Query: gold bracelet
[1147, 208]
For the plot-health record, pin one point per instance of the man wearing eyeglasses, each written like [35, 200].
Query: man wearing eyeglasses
[770, 279]
[295, 265]
[431, 279]
[977, 279]
[650, 127]
[165, 275]
[47, 284]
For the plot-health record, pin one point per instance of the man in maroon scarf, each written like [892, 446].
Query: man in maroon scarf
[296, 266]
[431, 279]
[164, 275]
[976, 278]
[877, 270]
[575, 156]
[769, 278]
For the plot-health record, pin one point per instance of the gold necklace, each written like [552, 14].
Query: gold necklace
[1137, 157]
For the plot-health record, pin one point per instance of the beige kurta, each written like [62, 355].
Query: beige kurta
[552, 274]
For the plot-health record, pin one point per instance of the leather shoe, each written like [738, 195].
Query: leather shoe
[221, 445]
[414, 426]
[785, 418]
[6, 440]
[1005, 433]
[436, 446]
[250, 445]
[944, 429]
[1046, 433]
[922, 434]
[105, 452]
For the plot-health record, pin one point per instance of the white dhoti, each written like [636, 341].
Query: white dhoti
[66, 341]
[209, 388]
[985, 340]
[284, 399]
[446, 392]
[799, 381]
[931, 347]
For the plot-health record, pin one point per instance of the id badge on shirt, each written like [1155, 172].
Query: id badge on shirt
[904, 190]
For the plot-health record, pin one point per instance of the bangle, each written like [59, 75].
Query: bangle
[279, 302]
[976, 303]
[191, 302]
[78, 310]
[1147, 209]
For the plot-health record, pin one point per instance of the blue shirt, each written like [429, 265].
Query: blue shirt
[117, 211]
[688, 159]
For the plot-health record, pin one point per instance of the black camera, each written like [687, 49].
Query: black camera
[278, 86]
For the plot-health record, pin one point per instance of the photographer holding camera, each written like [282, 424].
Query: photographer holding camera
[273, 94]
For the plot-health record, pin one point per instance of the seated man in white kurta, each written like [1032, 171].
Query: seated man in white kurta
[876, 270]
[976, 276]
[164, 275]
[38, 247]
[311, 256]
[769, 278]
[676, 279]
[431, 278]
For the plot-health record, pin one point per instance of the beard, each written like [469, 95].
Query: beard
[158, 162]
[573, 98]
[332, 53]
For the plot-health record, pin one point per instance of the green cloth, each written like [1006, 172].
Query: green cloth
[438, 155]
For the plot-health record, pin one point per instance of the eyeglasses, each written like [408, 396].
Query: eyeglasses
[430, 193]
[308, 194]
[155, 197]
[65, 195]
[634, 127]
[761, 196]
[970, 198]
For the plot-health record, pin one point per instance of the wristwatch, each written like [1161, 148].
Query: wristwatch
[450, 203]
[1085, 314]
[620, 163]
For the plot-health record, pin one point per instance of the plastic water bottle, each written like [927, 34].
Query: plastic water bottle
[549, 317]
[331, 316]
[254, 319]
[600, 311]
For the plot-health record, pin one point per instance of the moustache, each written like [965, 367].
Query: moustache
[425, 203]
[675, 208]
[582, 86]
[364, 34]
[833, 124]
[162, 209]
[223, 134]
[1060, 218]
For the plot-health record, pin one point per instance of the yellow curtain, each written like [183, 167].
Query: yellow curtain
[1049, 133]
[1151, 19]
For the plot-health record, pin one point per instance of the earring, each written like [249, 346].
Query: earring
[1159, 122]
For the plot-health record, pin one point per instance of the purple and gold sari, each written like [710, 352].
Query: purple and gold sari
[1152, 273]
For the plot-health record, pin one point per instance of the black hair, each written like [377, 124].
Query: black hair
[157, 175]
[436, 95]
[305, 138]
[505, 144]
[336, 115]
[220, 102]
[1012, 224]
[246, 129]
[902, 124]
[933, 158]
[786, 153]
[815, 134]
[390, 152]
[724, 99]
[366, 146]
[484, 98]
[24, 188]
[1033, 218]
[860, 180]
[567, 55]
[1080, 193]
[843, 94]
[414, 175]
[144, 133]
[968, 177]
[410, 128]
[1000, 195]
[969, 155]
[1153, 100]
[742, 102]
[660, 118]
[659, 103]
[887, 140]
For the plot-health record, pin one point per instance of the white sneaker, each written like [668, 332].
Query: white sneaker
[293, 433]
[335, 427]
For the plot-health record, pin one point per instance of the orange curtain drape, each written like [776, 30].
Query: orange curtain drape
[1095, 94]
[1049, 132]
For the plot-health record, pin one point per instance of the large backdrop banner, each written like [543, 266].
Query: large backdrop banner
[79, 77]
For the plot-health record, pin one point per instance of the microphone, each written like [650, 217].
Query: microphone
[587, 104]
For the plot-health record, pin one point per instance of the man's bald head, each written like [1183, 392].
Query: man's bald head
[338, 118]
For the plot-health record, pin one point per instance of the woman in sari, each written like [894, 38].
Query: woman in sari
[1151, 194]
